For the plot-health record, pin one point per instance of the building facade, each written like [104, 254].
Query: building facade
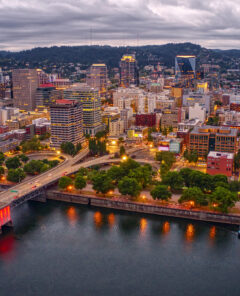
[97, 78]
[66, 122]
[25, 84]
[220, 163]
[129, 70]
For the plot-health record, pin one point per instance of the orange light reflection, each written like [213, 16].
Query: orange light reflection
[111, 220]
[190, 233]
[72, 215]
[166, 227]
[98, 219]
[143, 225]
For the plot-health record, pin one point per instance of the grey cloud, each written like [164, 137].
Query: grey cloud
[30, 23]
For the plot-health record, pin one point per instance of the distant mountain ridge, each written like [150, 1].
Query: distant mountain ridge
[149, 54]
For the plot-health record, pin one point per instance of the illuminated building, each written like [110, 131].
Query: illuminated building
[212, 138]
[97, 78]
[66, 122]
[129, 70]
[185, 66]
[146, 119]
[91, 104]
[116, 127]
[171, 118]
[25, 83]
[220, 163]
[46, 95]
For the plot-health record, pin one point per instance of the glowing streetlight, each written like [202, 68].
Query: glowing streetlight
[150, 145]
[124, 157]
[70, 187]
[58, 152]
[192, 203]
[114, 142]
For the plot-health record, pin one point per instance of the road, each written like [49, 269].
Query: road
[67, 167]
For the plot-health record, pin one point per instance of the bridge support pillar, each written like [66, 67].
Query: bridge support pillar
[9, 224]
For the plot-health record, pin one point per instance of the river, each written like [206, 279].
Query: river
[63, 249]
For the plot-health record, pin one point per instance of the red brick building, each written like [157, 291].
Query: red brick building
[146, 119]
[220, 163]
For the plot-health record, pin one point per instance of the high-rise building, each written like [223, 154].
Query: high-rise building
[129, 70]
[1, 76]
[97, 78]
[66, 122]
[46, 94]
[185, 66]
[25, 83]
[91, 102]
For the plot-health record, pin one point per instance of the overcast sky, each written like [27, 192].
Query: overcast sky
[32, 23]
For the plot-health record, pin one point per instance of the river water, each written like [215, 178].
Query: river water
[63, 249]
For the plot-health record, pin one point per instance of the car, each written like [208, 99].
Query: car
[35, 186]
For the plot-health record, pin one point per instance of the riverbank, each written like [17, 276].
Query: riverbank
[130, 206]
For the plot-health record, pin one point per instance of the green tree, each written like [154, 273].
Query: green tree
[201, 180]
[16, 175]
[68, 148]
[220, 178]
[79, 182]
[223, 199]
[2, 158]
[122, 151]
[23, 157]
[102, 182]
[34, 167]
[234, 186]
[13, 162]
[82, 172]
[129, 186]
[116, 173]
[161, 192]
[64, 182]
[128, 165]
[174, 180]
[185, 173]
[165, 131]
[194, 194]
[170, 129]
[2, 170]
[143, 174]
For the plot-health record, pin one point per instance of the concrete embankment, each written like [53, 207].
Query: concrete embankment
[144, 208]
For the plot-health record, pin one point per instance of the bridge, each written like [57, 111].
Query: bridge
[36, 186]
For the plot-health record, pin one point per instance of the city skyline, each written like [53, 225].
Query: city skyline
[27, 24]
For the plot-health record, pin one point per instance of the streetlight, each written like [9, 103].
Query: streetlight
[70, 187]
[114, 142]
[124, 157]
[58, 152]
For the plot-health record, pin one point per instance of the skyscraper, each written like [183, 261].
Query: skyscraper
[129, 70]
[1, 76]
[25, 83]
[185, 66]
[91, 102]
[97, 78]
[46, 94]
[66, 122]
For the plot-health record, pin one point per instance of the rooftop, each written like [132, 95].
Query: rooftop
[216, 154]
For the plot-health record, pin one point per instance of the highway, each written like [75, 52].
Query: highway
[67, 167]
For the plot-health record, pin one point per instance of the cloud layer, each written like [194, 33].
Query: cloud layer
[32, 23]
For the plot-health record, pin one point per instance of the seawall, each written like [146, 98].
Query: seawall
[144, 208]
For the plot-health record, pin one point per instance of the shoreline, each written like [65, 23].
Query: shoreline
[137, 207]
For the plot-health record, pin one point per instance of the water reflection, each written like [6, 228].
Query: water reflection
[190, 232]
[72, 215]
[98, 219]
[111, 220]
[212, 233]
[143, 226]
[166, 227]
[7, 246]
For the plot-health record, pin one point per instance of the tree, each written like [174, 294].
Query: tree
[102, 182]
[2, 170]
[165, 131]
[129, 186]
[13, 163]
[185, 173]
[234, 186]
[222, 199]
[191, 156]
[128, 165]
[23, 157]
[34, 167]
[2, 158]
[68, 148]
[201, 180]
[143, 174]
[116, 173]
[166, 157]
[174, 180]
[161, 192]
[79, 182]
[220, 178]
[31, 145]
[16, 175]
[64, 182]
[170, 129]
[122, 151]
[82, 172]
[194, 194]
